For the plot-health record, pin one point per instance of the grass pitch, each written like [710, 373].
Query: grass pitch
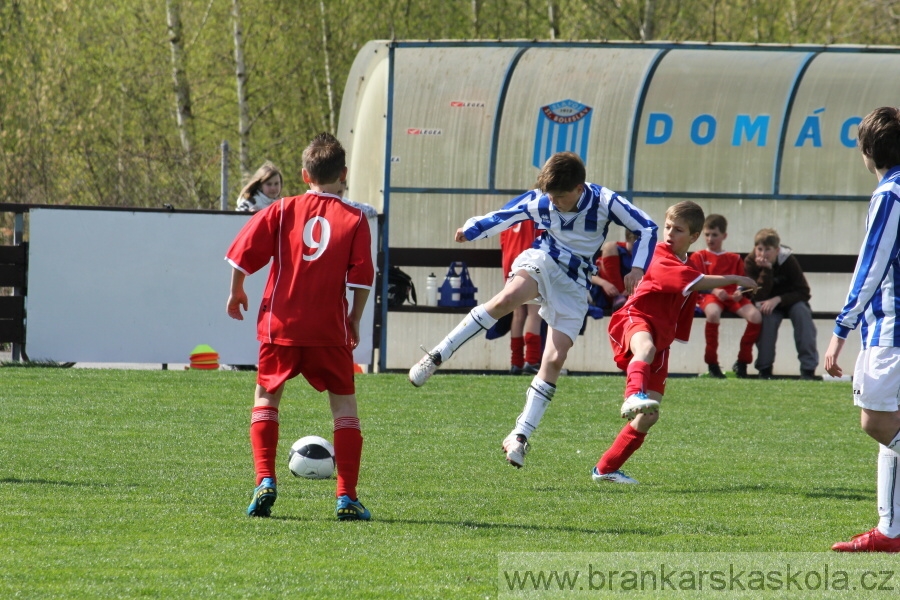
[126, 484]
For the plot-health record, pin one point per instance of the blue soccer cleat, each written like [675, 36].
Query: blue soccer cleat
[614, 477]
[351, 510]
[263, 498]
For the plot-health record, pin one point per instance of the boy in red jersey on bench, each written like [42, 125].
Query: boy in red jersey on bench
[525, 343]
[713, 260]
[319, 246]
[660, 311]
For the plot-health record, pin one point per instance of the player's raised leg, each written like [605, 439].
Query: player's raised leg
[637, 375]
[518, 290]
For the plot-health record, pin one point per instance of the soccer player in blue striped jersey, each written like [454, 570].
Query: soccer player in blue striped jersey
[574, 216]
[873, 304]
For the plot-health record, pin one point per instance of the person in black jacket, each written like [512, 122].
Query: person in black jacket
[783, 292]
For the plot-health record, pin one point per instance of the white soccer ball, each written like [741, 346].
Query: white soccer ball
[312, 457]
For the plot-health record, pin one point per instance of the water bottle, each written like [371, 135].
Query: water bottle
[431, 290]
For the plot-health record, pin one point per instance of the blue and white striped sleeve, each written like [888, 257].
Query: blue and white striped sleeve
[630, 217]
[880, 248]
[520, 208]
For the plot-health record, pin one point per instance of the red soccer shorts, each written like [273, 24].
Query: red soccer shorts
[324, 367]
[659, 368]
[727, 306]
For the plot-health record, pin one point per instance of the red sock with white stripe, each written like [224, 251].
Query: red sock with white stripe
[264, 440]
[626, 444]
[637, 374]
[348, 443]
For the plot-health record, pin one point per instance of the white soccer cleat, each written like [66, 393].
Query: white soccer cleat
[614, 477]
[516, 447]
[638, 404]
[425, 368]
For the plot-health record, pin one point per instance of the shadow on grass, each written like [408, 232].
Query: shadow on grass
[37, 364]
[15, 480]
[510, 526]
[841, 493]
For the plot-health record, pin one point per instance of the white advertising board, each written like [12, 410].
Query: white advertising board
[139, 287]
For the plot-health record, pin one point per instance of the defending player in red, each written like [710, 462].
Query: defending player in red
[318, 246]
[660, 311]
[713, 260]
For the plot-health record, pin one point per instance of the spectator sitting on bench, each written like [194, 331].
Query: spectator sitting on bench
[783, 292]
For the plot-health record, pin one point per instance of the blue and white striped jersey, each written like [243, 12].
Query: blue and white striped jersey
[572, 238]
[874, 298]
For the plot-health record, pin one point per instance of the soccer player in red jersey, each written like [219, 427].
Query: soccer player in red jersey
[713, 260]
[660, 311]
[319, 246]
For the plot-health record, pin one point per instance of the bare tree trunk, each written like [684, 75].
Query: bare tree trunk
[183, 114]
[329, 86]
[240, 71]
[475, 21]
[714, 29]
[552, 10]
[647, 32]
[182, 89]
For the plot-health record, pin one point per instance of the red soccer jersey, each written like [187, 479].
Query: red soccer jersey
[318, 246]
[661, 300]
[725, 263]
[514, 241]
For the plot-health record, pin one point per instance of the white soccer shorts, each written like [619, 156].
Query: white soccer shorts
[876, 379]
[563, 301]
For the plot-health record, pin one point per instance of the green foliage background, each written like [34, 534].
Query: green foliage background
[87, 103]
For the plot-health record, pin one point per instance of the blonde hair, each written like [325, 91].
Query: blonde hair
[264, 173]
[690, 213]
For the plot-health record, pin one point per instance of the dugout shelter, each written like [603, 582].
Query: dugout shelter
[438, 131]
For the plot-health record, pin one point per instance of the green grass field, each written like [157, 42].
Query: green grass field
[133, 484]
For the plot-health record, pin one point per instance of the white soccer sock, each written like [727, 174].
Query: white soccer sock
[895, 444]
[537, 398]
[888, 492]
[476, 321]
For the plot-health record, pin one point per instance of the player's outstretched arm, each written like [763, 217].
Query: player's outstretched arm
[237, 298]
[711, 282]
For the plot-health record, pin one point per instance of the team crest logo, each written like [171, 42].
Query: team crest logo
[562, 126]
